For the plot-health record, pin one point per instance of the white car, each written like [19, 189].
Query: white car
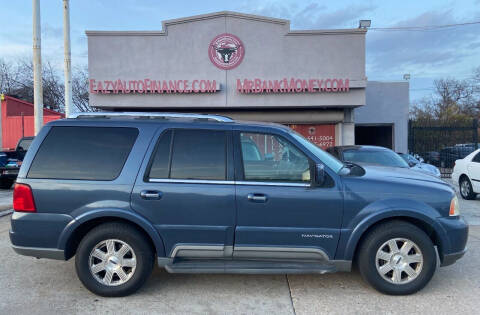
[467, 174]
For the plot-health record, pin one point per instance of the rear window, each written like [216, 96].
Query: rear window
[88, 153]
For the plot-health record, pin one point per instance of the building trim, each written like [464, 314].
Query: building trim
[225, 14]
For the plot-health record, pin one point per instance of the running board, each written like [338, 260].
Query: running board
[255, 267]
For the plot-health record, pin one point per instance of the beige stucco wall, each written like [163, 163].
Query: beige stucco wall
[272, 51]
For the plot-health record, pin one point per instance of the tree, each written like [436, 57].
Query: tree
[16, 79]
[453, 101]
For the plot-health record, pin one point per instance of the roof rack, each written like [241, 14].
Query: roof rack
[150, 115]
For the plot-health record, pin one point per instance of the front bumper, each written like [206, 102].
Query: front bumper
[456, 230]
[450, 259]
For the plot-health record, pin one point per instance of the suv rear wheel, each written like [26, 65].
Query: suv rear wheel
[397, 258]
[114, 259]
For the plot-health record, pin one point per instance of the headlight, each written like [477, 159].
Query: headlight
[454, 207]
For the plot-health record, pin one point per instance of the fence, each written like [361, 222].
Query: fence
[441, 145]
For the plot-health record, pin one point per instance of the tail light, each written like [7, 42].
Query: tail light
[23, 198]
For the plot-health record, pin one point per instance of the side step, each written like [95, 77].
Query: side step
[252, 267]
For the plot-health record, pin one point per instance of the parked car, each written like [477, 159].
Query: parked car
[419, 165]
[431, 157]
[467, 174]
[449, 155]
[10, 162]
[368, 154]
[118, 192]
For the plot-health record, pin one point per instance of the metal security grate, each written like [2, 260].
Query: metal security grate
[442, 144]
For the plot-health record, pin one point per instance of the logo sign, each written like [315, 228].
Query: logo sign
[226, 51]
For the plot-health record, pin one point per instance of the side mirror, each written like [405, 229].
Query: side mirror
[320, 174]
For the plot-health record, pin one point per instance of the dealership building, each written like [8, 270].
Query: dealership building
[251, 68]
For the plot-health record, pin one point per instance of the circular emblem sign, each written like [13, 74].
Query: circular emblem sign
[226, 51]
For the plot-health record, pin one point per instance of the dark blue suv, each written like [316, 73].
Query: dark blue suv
[207, 194]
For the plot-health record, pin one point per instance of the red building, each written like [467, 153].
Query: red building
[17, 120]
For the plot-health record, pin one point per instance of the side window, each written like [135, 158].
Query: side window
[476, 158]
[190, 154]
[160, 163]
[88, 153]
[271, 158]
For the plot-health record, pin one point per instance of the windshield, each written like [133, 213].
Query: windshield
[329, 160]
[379, 157]
[409, 158]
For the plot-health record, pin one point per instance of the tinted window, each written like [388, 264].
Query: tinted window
[198, 154]
[383, 157]
[275, 159]
[89, 153]
[476, 158]
[160, 163]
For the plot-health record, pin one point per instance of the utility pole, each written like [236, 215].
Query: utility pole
[37, 68]
[68, 58]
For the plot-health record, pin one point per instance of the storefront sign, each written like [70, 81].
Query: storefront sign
[321, 135]
[226, 51]
[149, 86]
[293, 85]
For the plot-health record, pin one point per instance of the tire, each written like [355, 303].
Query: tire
[466, 189]
[134, 262]
[6, 183]
[391, 282]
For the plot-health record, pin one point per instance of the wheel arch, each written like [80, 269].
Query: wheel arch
[80, 226]
[463, 175]
[433, 230]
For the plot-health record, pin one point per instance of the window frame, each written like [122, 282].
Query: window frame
[240, 172]
[228, 157]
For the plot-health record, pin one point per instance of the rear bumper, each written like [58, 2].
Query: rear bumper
[37, 234]
[51, 253]
[8, 173]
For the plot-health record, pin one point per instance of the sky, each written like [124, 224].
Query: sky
[426, 55]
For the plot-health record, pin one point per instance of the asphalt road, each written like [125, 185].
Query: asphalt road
[40, 286]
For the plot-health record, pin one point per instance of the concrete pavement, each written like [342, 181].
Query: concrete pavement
[29, 285]
[40, 286]
[6, 199]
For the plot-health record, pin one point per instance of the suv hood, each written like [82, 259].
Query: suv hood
[386, 172]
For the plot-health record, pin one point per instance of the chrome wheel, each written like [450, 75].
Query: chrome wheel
[399, 261]
[112, 262]
[465, 188]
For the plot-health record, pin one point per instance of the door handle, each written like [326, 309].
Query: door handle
[151, 194]
[257, 197]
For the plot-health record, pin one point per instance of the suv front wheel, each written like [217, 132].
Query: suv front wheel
[397, 258]
[114, 259]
